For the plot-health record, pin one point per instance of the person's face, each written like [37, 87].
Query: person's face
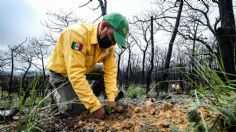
[106, 37]
[110, 34]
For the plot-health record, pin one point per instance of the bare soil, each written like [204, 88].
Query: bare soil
[138, 115]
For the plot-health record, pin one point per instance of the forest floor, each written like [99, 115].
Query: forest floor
[138, 115]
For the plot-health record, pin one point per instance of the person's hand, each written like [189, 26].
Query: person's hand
[112, 105]
[99, 113]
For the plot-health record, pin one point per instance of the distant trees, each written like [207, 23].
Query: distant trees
[143, 37]
[182, 35]
[197, 34]
[119, 52]
[30, 55]
[130, 43]
[56, 23]
[12, 56]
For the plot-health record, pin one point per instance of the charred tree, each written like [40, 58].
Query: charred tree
[226, 36]
[170, 48]
[128, 69]
[10, 90]
[149, 76]
[102, 5]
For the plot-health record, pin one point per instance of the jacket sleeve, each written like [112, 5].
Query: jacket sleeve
[110, 75]
[75, 63]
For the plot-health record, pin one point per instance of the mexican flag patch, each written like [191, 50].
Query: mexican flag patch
[77, 46]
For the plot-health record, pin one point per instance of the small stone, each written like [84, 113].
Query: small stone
[120, 117]
[167, 106]
[153, 99]
[141, 123]
[102, 123]
[137, 109]
[81, 123]
[128, 125]
[152, 112]
[166, 125]
[120, 108]
[143, 116]
[148, 105]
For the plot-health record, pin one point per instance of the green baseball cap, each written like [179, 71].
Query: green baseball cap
[120, 26]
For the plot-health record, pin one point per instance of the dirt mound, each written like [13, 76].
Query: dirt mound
[144, 116]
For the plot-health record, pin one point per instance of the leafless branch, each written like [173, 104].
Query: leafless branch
[216, 1]
[14, 48]
[95, 8]
[97, 18]
[216, 23]
[85, 4]
[102, 5]
[205, 14]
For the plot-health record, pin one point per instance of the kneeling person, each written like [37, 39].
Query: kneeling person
[87, 52]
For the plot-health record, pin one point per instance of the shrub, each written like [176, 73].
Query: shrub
[135, 91]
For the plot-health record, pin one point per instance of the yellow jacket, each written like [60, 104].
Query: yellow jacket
[75, 63]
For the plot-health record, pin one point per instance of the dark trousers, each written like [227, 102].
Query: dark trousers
[64, 96]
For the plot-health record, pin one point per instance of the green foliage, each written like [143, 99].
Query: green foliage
[135, 91]
[217, 93]
[31, 121]
[193, 116]
[174, 129]
[30, 113]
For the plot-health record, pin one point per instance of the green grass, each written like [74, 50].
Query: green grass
[216, 93]
[30, 112]
[135, 91]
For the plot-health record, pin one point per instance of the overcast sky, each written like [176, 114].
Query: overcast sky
[21, 18]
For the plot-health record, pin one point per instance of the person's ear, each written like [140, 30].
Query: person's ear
[104, 25]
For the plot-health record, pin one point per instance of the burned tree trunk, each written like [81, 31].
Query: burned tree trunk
[170, 48]
[226, 36]
[12, 70]
[128, 69]
[25, 84]
[10, 90]
[149, 76]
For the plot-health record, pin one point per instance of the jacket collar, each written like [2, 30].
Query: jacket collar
[94, 39]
